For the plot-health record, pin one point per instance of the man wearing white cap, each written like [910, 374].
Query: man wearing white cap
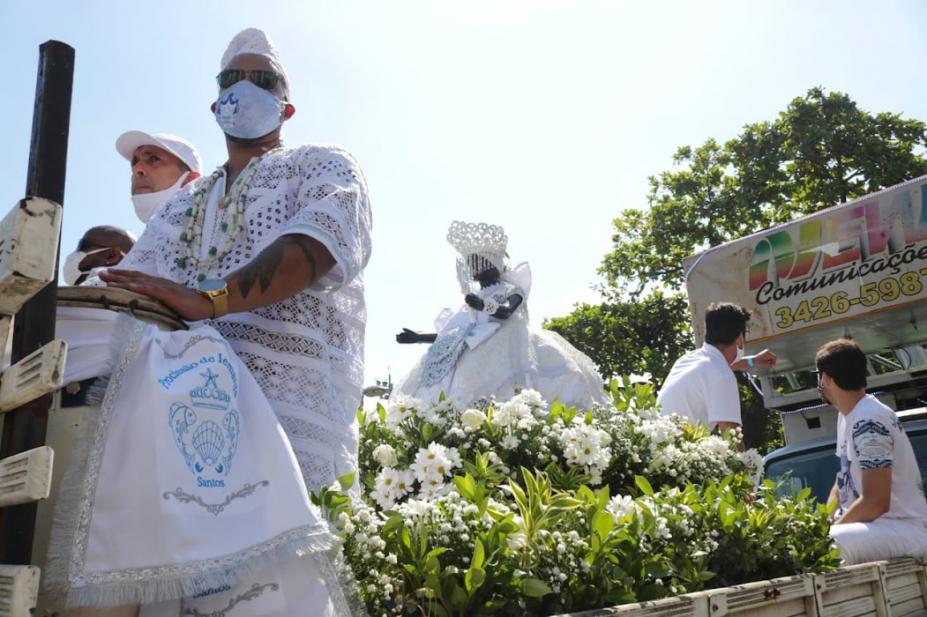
[271, 247]
[161, 164]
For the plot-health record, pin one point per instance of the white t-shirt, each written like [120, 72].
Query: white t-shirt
[871, 437]
[702, 388]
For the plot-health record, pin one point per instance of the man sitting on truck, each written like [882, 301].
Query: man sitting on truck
[701, 386]
[881, 512]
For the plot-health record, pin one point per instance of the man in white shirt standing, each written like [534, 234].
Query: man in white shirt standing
[701, 386]
[881, 512]
[271, 246]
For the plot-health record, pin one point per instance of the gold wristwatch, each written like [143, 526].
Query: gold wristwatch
[217, 291]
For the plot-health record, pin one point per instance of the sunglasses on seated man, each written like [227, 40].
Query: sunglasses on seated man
[267, 80]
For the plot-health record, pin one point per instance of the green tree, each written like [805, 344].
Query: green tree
[821, 151]
[629, 337]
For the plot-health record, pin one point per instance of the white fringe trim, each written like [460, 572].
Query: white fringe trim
[146, 587]
[66, 517]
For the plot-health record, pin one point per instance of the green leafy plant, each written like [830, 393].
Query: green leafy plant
[622, 505]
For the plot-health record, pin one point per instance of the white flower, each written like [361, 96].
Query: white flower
[385, 455]
[753, 461]
[416, 508]
[517, 541]
[400, 408]
[715, 446]
[389, 485]
[532, 398]
[620, 506]
[435, 462]
[660, 429]
[404, 481]
[587, 446]
[432, 489]
[473, 418]
[514, 413]
[510, 442]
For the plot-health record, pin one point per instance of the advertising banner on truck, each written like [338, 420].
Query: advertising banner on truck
[856, 269]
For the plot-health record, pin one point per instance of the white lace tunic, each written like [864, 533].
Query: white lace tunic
[306, 352]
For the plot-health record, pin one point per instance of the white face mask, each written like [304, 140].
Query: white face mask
[245, 111]
[739, 354]
[146, 204]
[71, 267]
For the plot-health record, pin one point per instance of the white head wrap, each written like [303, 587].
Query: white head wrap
[253, 41]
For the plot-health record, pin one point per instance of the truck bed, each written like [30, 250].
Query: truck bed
[896, 588]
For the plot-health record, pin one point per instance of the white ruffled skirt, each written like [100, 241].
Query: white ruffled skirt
[514, 358]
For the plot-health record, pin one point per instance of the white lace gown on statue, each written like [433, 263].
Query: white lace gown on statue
[476, 356]
[306, 352]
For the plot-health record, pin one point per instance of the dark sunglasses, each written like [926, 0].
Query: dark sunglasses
[267, 80]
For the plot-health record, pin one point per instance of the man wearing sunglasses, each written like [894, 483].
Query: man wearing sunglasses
[701, 386]
[881, 512]
[271, 248]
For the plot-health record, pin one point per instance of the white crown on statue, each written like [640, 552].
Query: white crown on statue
[481, 238]
[481, 247]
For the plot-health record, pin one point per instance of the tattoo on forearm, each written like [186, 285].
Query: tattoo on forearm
[262, 269]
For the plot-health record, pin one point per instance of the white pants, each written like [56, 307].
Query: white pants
[883, 538]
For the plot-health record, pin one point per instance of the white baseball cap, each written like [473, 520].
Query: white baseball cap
[129, 141]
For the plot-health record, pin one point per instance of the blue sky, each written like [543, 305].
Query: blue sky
[544, 117]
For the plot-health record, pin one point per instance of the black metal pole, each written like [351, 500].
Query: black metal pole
[24, 428]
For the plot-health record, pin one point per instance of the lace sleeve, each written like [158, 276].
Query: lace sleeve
[143, 256]
[333, 209]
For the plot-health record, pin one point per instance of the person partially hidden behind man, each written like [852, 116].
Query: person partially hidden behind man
[100, 247]
[881, 512]
[701, 386]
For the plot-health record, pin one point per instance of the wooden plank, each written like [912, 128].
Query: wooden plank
[5, 331]
[850, 592]
[911, 608]
[853, 575]
[39, 373]
[902, 580]
[762, 593]
[904, 565]
[855, 607]
[789, 608]
[26, 477]
[26, 262]
[855, 588]
[19, 588]
[903, 594]
[688, 605]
